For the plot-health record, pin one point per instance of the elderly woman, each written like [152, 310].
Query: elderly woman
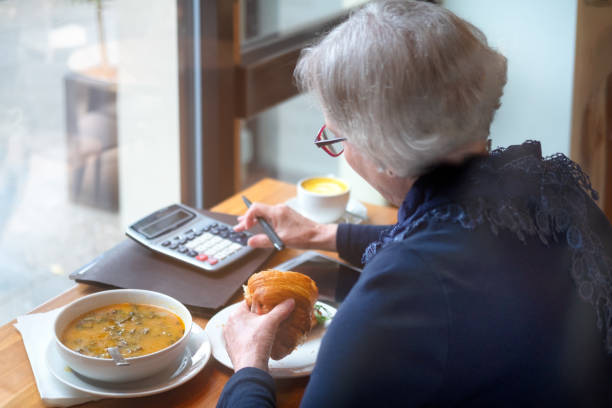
[494, 287]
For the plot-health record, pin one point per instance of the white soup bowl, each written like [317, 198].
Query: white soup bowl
[104, 369]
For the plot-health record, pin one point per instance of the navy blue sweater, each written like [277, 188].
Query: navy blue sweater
[463, 308]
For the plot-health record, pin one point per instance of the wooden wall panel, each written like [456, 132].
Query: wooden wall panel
[591, 140]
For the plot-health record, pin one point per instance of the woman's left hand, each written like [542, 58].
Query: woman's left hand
[249, 337]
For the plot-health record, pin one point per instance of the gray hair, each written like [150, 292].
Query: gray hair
[406, 82]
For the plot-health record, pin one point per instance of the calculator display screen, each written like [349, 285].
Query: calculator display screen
[163, 224]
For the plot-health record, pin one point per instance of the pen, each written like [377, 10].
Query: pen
[278, 244]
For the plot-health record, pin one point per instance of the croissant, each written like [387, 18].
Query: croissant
[266, 289]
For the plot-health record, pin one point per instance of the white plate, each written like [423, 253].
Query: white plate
[297, 364]
[195, 358]
[355, 213]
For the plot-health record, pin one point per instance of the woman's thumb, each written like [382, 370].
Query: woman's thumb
[281, 311]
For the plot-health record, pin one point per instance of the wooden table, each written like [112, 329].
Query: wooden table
[17, 385]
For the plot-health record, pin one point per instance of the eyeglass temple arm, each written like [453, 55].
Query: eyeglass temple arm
[321, 143]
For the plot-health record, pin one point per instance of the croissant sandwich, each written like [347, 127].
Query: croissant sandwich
[266, 289]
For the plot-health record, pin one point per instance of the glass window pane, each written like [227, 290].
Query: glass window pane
[279, 143]
[263, 18]
[88, 134]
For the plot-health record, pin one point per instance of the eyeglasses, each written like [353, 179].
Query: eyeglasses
[329, 142]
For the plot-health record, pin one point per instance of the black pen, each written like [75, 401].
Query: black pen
[278, 244]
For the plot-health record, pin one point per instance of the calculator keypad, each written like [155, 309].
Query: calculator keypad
[209, 243]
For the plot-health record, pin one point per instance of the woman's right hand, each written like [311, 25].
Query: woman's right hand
[293, 229]
[249, 337]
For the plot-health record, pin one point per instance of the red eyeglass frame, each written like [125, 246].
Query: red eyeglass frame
[324, 143]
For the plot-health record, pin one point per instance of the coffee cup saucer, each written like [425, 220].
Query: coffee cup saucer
[355, 213]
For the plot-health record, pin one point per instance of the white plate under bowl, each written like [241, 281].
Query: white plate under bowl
[356, 213]
[297, 364]
[197, 353]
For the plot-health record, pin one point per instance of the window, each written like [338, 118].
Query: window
[108, 109]
[277, 141]
[274, 18]
[88, 134]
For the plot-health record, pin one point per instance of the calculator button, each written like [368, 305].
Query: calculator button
[214, 240]
[192, 253]
[173, 245]
[224, 228]
[190, 236]
[198, 241]
[208, 244]
[231, 249]
[182, 249]
[212, 260]
[199, 231]
[192, 244]
[226, 252]
[224, 234]
[166, 243]
[206, 228]
[222, 245]
[202, 247]
[202, 257]
[201, 239]
[182, 240]
[189, 231]
[214, 230]
[214, 250]
[235, 247]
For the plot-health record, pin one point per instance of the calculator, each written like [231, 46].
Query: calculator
[184, 234]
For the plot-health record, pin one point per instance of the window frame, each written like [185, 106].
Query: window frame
[222, 83]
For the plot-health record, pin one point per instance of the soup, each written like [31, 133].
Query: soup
[136, 329]
[324, 185]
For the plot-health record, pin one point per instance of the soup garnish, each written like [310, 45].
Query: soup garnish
[136, 329]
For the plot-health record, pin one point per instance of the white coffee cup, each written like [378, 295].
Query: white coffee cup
[323, 199]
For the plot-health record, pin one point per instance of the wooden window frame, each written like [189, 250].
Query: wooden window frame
[236, 83]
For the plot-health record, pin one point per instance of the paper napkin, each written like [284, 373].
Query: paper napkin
[37, 332]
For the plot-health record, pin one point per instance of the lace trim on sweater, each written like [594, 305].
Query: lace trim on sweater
[558, 214]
